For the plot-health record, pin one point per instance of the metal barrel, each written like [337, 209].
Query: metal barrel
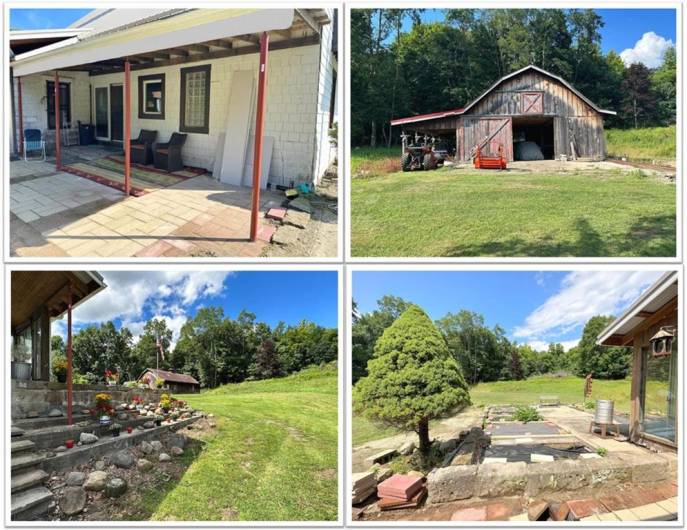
[604, 411]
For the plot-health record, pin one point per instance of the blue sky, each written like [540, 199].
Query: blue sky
[133, 297]
[44, 18]
[533, 307]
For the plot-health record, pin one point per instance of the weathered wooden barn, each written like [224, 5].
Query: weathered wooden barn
[530, 104]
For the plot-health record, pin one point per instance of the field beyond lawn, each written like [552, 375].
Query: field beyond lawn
[649, 144]
[452, 212]
[273, 456]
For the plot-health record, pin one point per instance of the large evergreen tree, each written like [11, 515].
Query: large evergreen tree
[412, 377]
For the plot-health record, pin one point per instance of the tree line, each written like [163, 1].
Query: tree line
[485, 353]
[212, 347]
[436, 66]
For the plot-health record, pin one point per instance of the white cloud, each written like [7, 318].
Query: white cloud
[542, 345]
[129, 293]
[582, 295]
[540, 279]
[648, 50]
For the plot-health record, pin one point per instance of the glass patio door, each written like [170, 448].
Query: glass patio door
[659, 395]
[102, 120]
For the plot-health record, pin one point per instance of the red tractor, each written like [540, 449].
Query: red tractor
[420, 154]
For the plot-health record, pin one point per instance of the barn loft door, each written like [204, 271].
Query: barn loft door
[489, 134]
[532, 102]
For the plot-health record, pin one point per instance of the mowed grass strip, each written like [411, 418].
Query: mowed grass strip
[453, 212]
[273, 456]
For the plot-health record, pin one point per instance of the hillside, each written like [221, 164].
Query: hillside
[273, 455]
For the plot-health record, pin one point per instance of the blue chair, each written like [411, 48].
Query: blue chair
[33, 141]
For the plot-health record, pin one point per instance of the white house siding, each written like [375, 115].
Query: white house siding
[324, 153]
[35, 105]
[292, 99]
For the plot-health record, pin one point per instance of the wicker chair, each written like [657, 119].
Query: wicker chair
[168, 155]
[142, 147]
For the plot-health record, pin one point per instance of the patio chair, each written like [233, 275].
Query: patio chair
[33, 141]
[168, 155]
[142, 147]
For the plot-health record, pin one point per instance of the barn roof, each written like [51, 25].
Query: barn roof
[172, 376]
[458, 112]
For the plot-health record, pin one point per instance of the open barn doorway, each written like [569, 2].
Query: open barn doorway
[529, 130]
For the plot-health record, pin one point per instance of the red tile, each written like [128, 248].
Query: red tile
[470, 514]
[277, 214]
[265, 232]
[499, 511]
[155, 250]
[614, 502]
[585, 507]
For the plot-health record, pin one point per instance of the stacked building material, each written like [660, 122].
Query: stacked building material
[401, 491]
[364, 485]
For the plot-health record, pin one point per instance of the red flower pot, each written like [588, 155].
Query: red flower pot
[69, 444]
[129, 429]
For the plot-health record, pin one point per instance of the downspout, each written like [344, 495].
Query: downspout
[15, 149]
[313, 165]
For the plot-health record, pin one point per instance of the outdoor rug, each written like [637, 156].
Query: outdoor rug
[110, 172]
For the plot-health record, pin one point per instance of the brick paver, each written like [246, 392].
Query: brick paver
[199, 216]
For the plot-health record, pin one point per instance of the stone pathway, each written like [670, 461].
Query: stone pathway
[65, 215]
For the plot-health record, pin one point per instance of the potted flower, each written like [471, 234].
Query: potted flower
[59, 368]
[129, 429]
[21, 368]
[165, 402]
[69, 444]
[115, 428]
[111, 377]
[159, 382]
[158, 420]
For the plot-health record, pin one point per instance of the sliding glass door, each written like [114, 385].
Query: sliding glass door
[659, 395]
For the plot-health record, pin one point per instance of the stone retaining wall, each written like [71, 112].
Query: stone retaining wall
[43, 396]
[454, 483]
[84, 453]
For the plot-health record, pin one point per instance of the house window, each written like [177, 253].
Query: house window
[65, 105]
[151, 97]
[195, 99]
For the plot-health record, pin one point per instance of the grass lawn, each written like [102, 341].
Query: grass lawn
[568, 389]
[452, 212]
[273, 456]
[653, 143]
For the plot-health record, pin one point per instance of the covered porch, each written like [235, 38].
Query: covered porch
[164, 45]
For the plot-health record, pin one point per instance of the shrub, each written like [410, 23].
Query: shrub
[59, 365]
[589, 405]
[80, 379]
[602, 451]
[527, 414]
[159, 382]
[165, 401]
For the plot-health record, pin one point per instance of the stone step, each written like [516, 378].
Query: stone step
[28, 479]
[16, 431]
[30, 504]
[22, 461]
[22, 445]
[46, 421]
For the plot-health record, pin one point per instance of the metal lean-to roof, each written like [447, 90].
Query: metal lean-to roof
[170, 29]
[653, 299]
[458, 112]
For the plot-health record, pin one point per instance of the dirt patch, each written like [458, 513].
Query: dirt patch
[320, 237]
[324, 474]
[229, 514]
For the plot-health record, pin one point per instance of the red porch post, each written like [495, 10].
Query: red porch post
[58, 147]
[259, 125]
[127, 127]
[69, 355]
[21, 118]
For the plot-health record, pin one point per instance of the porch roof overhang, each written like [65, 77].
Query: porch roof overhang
[660, 297]
[32, 290]
[174, 37]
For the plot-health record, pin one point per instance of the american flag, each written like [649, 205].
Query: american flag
[158, 343]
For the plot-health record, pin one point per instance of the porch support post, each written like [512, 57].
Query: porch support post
[69, 355]
[127, 127]
[21, 118]
[259, 125]
[58, 139]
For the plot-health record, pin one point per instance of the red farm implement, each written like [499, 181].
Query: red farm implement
[490, 162]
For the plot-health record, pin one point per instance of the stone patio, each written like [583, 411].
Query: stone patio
[63, 215]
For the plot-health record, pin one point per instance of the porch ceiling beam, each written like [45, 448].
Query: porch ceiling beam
[645, 314]
[198, 48]
[219, 54]
[306, 17]
[178, 51]
[285, 33]
[253, 39]
[220, 43]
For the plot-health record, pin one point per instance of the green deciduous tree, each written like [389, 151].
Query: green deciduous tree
[602, 362]
[412, 377]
